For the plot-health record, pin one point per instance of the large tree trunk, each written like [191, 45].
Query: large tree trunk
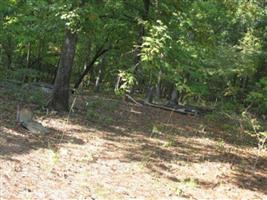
[60, 99]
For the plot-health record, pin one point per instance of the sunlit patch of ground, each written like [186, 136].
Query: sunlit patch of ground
[142, 153]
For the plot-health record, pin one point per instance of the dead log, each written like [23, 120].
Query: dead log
[177, 110]
[186, 110]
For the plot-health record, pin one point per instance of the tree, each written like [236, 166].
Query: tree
[60, 99]
[73, 19]
[208, 51]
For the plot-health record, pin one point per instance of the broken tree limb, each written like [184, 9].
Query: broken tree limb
[100, 51]
[179, 110]
[186, 110]
[128, 97]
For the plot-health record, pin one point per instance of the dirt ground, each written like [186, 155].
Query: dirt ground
[133, 153]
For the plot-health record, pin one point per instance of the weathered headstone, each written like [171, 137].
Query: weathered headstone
[25, 119]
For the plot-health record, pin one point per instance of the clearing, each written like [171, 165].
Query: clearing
[123, 151]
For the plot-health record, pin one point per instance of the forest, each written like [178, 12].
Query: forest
[140, 99]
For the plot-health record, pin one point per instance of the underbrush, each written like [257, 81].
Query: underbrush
[101, 110]
[24, 95]
[244, 125]
[24, 75]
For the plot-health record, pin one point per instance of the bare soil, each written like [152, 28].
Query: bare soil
[133, 153]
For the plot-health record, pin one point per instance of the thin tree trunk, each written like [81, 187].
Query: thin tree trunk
[28, 54]
[141, 34]
[99, 76]
[158, 88]
[60, 99]
[150, 94]
[39, 54]
[8, 51]
[117, 85]
[9, 61]
[174, 97]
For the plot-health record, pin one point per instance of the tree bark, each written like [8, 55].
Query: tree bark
[174, 97]
[150, 94]
[9, 61]
[60, 99]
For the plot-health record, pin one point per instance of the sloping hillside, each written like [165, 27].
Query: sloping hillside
[116, 150]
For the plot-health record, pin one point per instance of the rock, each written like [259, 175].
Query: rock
[35, 127]
[24, 115]
[44, 87]
[25, 119]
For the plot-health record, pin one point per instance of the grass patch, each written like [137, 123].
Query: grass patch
[101, 110]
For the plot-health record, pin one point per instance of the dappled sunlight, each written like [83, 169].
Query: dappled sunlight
[145, 148]
[19, 141]
[148, 99]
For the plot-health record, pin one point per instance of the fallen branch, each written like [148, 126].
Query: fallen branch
[181, 111]
[128, 97]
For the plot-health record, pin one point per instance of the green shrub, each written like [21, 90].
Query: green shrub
[128, 81]
[31, 96]
[37, 97]
[258, 97]
[254, 128]
[22, 75]
[92, 115]
[100, 110]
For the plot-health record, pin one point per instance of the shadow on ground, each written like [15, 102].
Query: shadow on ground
[159, 140]
[179, 140]
[20, 141]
